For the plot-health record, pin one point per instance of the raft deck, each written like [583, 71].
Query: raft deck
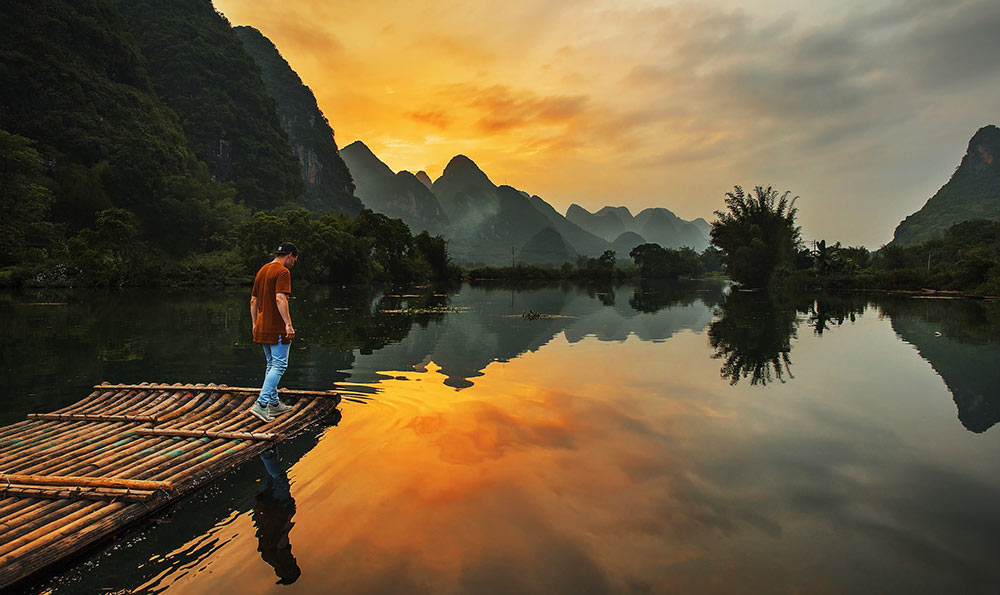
[80, 474]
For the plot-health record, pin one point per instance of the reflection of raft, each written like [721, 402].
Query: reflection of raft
[71, 477]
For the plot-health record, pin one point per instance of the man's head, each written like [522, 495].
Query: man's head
[286, 253]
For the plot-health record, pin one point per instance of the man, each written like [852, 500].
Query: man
[272, 326]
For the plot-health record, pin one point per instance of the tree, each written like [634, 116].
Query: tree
[757, 235]
[656, 262]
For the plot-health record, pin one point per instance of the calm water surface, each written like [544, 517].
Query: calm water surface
[662, 439]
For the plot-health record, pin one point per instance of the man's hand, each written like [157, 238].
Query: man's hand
[289, 331]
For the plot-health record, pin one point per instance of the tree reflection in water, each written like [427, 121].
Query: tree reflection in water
[753, 334]
[753, 337]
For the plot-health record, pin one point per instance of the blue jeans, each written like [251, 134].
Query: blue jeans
[277, 362]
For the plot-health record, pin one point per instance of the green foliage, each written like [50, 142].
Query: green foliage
[335, 248]
[200, 69]
[328, 183]
[757, 235]
[602, 267]
[711, 259]
[434, 251]
[73, 81]
[24, 197]
[111, 254]
[656, 262]
[972, 193]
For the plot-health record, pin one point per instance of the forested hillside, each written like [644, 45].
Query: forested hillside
[111, 176]
[328, 184]
[84, 132]
[200, 70]
[973, 192]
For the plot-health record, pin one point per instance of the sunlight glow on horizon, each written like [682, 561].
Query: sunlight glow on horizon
[852, 107]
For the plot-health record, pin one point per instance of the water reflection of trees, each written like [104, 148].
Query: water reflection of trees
[752, 337]
[754, 330]
[653, 295]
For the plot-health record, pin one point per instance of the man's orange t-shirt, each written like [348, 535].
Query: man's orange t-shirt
[272, 278]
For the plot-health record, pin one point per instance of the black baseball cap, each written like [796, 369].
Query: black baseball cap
[287, 248]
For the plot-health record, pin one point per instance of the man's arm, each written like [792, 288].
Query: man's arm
[253, 311]
[281, 300]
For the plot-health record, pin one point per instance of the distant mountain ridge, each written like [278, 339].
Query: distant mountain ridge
[656, 225]
[398, 195]
[489, 224]
[973, 192]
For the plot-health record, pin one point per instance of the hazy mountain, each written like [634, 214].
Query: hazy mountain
[424, 178]
[547, 247]
[624, 243]
[661, 226]
[400, 195]
[327, 180]
[973, 192]
[704, 227]
[656, 225]
[201, 70]
[582, 241]
[466, 193]
[607, 223]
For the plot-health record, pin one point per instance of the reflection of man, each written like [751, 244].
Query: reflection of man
[272, 515]
[272, 326]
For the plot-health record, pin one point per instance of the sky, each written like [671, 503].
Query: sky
[862, 109]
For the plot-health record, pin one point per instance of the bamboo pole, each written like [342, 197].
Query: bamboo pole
[221, 387]
[25, 491]
[35, 510]
[206, 434]
[83, 444]
[93, 417]
[42, 529]
[81, 481]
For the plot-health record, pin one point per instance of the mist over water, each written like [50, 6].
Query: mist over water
[656, 438]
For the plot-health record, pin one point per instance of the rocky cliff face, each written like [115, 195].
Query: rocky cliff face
[973, 192]
[328, 183]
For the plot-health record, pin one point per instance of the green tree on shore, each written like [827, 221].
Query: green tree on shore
[757, 234]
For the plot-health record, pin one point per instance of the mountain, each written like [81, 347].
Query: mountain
[973, 192]
[202, 72]
[74, 87]
[656, 225]
[466, 193]
[624, 243]
[582, 241]
[328, 183]
[608, 223]
[400, 196]
[424, 178]
[547, 247]
[661, 226]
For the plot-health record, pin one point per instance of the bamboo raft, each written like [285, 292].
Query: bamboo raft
[77, 475]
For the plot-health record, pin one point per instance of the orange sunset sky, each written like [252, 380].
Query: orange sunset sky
[863, 109]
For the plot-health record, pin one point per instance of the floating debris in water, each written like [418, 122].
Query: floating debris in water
[431, 310]
[532, 315]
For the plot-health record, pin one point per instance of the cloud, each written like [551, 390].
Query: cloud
[439, 119]
[502, 108]
[862, 108]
